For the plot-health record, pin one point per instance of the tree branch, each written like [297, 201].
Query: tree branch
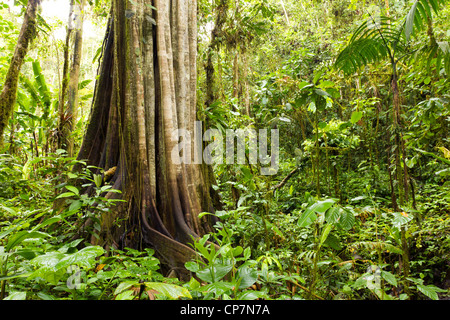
[285, 180]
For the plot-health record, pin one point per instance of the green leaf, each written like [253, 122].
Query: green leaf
[237, 251]
[26, 253]
[356, 116]
[16, 275]
[23, 235]
[193, 284]
[214, 273]
[204, 251]
[10, 210]
[309, 216]
[125, 286]
[75, 205]
[333, 215]
[16, 296]
[202, 214]
[47, 222]
[126, 295]
[84, 257]
[327, 84]
[45, 296]
[247, 253]
[171, 291]
[73, 189]
[347, 219]
[325, 233]
[400, 220]
[192, 266]
[389, 277]
[98, 180]
[150, 6]
[430, 291]
[50, 259]
[251, 295]
[312, 107]
[322, 206]
[317, 77]
[247, 276]
[46, 267]
[409, 24]
[83, 84]
[65, 195]
[333, 242]
[433, 155]
[217, 288]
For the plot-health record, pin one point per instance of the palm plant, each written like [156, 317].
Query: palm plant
[377, 39]
[380, 39]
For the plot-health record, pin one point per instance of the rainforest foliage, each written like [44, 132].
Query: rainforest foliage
[359, 208]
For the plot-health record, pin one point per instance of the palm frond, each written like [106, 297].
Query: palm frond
[370, 43]
[438, 53]
[377, 39]
[420, 12]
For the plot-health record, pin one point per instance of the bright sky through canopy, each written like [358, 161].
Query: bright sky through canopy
[59, 9]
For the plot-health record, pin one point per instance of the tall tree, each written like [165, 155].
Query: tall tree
[146, 90]
[68, 105]
[9, 91]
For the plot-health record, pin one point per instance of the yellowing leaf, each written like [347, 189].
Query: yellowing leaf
[99, 267]
[445, 151]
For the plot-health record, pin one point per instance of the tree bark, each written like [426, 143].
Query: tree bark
[69, 90]
[147, 89]
[216, 38]
[9, 91]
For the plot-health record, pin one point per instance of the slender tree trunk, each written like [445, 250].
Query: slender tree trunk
[236, 74]
[9, 91]
[68, 117]
[246, 84]
[145, 91]
[62, 141]
[402, 173]
[216, 32]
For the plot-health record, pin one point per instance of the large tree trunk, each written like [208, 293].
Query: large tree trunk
[9, 90]
[146, 89]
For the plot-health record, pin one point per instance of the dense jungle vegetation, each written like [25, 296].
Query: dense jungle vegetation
[358, 210]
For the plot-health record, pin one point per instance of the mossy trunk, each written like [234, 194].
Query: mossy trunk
[68, 104]
[9, 91]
